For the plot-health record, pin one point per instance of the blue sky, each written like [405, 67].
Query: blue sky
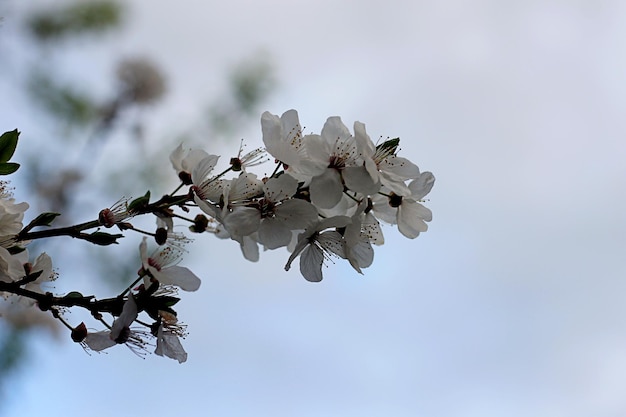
[510, 305]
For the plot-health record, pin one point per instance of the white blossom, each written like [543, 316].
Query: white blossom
[407, 211]
[186, 161]
[168, 336]
[316, 244]
[11, 217]
[120, 331]
[341, 158]
[161, 265]
[11, 267]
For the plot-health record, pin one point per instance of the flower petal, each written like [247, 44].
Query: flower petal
[274, 234]
[311, 263]
[169, 345]
[99, 340]
[179, 276]
[326, 189]
[422, 185]
[359, 180]
[412, 217]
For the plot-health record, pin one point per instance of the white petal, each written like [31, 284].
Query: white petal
[203, 168]
[194, 158]
[326, 189]
[243, 221]
[249, 248]
[209, 209]
[359, 180]
[422, 186]
[99, 341]
[43, 263]
[179, 276]
[394, 184]
[176, 158]
[412, 217]
[318, 149]
[281, 188]
[274, 234]
[296, 214]
[169, 345]
[399, 168]
[334, 130]
[383, 210]
[311, 263]
[332, 242]
[11, 269]
[361, 255]
[371, 227]
[143, 252]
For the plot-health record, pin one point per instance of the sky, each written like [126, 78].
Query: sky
[510, 305]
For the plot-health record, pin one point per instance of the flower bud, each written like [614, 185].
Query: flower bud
[79, 333]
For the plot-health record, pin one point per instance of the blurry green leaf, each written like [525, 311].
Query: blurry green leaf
[251, 82]
[8, 143]
[7, 168]
[13, 348]
[64, 102]
[80, 17]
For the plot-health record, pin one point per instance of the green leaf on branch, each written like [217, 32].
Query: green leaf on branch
[7, 168]
[139, 203]
[167, 301]
[76, 294]
[154, 305]
[101, 238]
[44, 219]
[8, 143]
[390, 146]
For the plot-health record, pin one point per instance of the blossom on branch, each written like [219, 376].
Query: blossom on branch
[161, 266]
[322, 201]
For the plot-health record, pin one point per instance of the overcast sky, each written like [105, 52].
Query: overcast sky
[512, 304]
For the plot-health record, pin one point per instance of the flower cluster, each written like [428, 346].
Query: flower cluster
[325, 198]
[161, 277]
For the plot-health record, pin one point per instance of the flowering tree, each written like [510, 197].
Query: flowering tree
[323, 200]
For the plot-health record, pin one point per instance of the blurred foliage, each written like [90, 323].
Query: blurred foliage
[12, 347]
[140, 80]
[64, 102]
[249, 84]
[75, 19]
[113, 121]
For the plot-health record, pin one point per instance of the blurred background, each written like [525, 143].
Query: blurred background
[512, 304]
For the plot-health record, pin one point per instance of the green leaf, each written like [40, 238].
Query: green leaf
[44, 219]
[167, 301]
[390, 146]
[7, 168]
[101, 238]
[138, 203]
[8, 143]
[76, 294]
